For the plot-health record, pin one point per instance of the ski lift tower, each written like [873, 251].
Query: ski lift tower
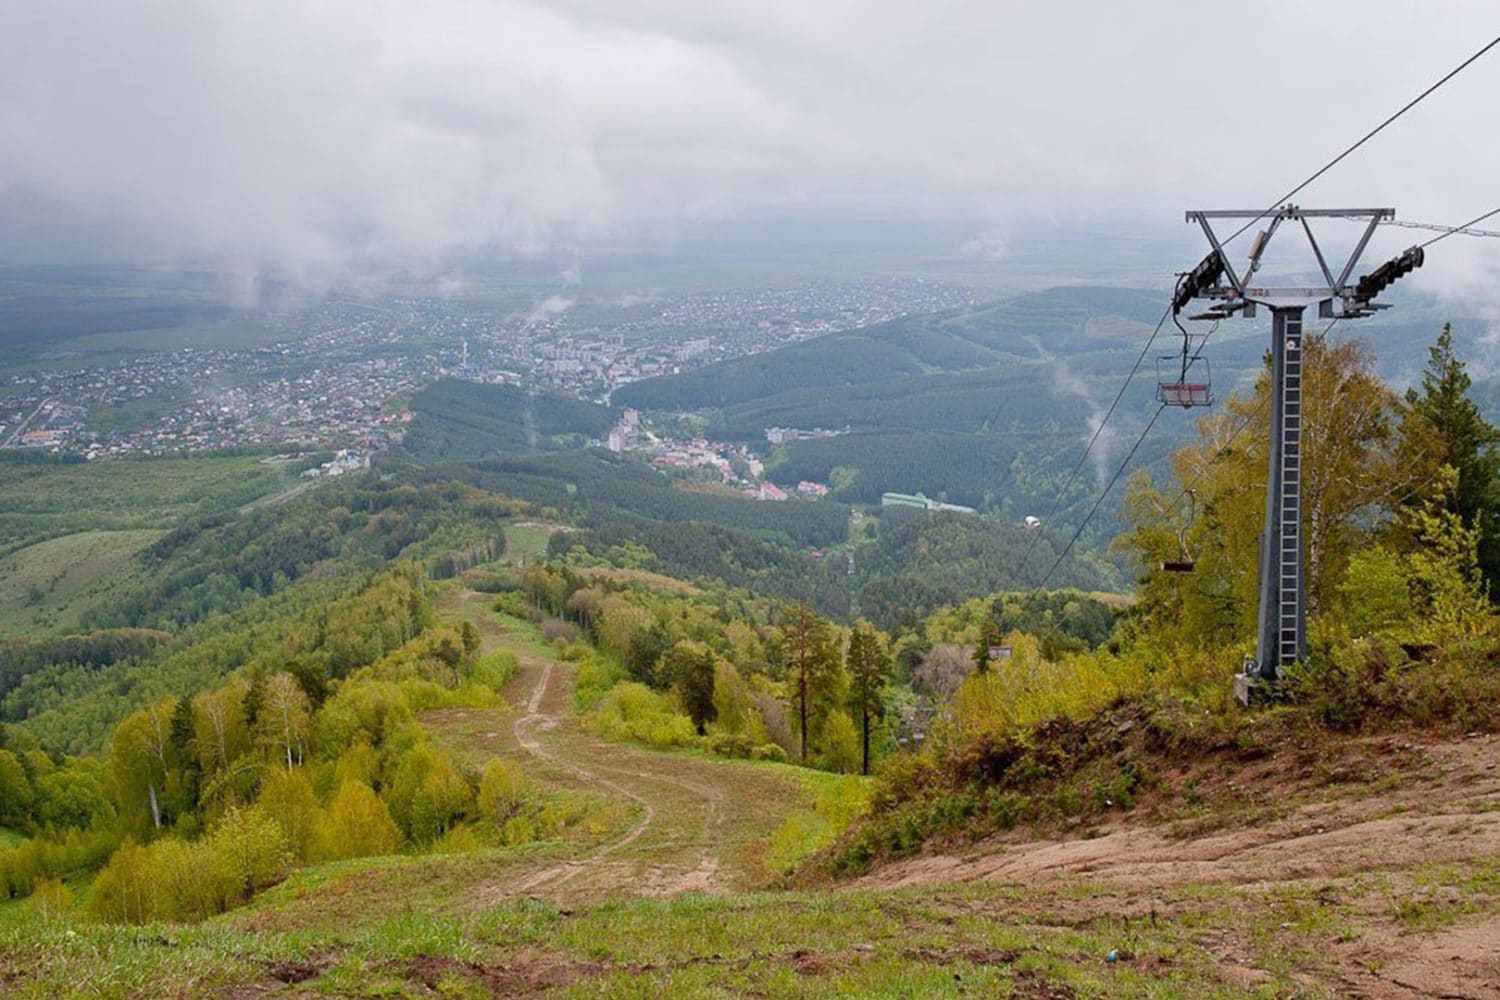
[1281, 638]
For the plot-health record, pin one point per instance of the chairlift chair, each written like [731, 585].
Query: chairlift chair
[1184, 563]
[1192, 385]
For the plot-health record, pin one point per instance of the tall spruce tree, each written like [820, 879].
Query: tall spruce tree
[1467, 443]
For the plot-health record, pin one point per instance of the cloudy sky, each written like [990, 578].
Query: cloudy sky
[319, 137]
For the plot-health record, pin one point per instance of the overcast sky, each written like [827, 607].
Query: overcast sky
[321, 137]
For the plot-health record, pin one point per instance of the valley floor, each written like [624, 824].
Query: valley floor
[1378, 881]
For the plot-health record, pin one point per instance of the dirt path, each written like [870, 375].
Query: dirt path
[1409, 865]
[693, 823]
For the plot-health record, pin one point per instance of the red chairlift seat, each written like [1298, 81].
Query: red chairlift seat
[1184, 394]
[1176, 386]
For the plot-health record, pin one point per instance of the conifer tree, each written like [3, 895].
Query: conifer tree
[815, 669]
[184, 746]
[868, 663]
[1467, 442]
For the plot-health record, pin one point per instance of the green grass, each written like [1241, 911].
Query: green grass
[39, 501]
[47, 588]
[947, 942]
[526, 542]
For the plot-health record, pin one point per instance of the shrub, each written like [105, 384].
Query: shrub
[356, 824]
[769, 751]
[731, 745]
[502, 790]
[250, 851]
[287, 798]
[51, 903]
[427, 793]
[75, 852]
[494, 670]
[554, 629]
[459, 840]
[839, 748]
[595, 677]
[633, 711]
[180, 880]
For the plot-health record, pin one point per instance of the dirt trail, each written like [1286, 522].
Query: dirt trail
[529, 730]
[1362, 837]
[1448, 811]
[694, 824]
[1367, 851]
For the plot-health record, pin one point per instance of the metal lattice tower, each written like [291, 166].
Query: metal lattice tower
[1281, 637]
[1282, 634]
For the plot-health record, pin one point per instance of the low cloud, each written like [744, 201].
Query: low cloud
[551, 307]
[320, 141]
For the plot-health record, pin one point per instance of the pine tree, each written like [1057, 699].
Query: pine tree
[1467, 443]
[988, 639]
[868, 662]
[815, 669]
[185, 744]
[254, 700]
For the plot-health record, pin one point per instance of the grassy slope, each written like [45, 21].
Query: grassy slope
[43, 501]
[73, 574]
[71, 530]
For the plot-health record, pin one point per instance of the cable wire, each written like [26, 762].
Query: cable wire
[1464, 230]
[1097, 504]
[1458, 229]
[1224, 448]
[1068, 484]
[1366, 138]
[1268, 210]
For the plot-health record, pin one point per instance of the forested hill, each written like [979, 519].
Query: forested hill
[1059, 321]
[463, 420]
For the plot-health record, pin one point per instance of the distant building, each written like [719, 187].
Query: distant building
[812, 489]
[786, 435]
[922, 501]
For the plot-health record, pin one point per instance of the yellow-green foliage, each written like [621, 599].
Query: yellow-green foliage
[288, 798]
[427, 793]
[1432, 594]
[23, 865]
[359, 762]
[15, 789]
[364, 710]
[502, 790]
[1026, 690]
[459, 840]
[51, 903]
[734, 705]
[356, 824]
[594, 678]
[493, 670]
[838, 744]
[179, 880]
[633, 711]
[839, 802]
